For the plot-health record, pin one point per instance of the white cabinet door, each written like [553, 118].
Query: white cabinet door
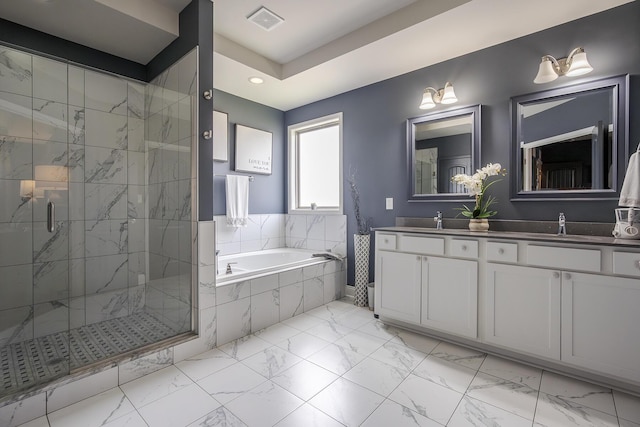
[397, 288]
[601, 323]
[450, 295]
[523, 309]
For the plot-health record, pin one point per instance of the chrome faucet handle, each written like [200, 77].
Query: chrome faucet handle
[229, 267]
[562, 225]
[438, 220]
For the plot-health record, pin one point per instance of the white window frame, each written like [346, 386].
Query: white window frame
[292, 132]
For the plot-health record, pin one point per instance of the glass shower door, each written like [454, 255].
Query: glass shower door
[34, 221]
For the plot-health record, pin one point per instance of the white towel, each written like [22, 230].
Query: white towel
[237, 200]
[630, 193]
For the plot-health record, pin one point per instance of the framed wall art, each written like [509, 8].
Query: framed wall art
[253, 150]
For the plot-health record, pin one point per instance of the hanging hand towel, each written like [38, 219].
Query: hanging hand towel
[630, 193]
[237, 200]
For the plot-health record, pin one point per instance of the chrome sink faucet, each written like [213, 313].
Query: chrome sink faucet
[438, 220]
[562, 226]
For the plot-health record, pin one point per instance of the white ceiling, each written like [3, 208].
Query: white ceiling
[324, 47]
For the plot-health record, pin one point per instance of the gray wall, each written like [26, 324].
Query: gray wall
[374, 116]
[266, 192]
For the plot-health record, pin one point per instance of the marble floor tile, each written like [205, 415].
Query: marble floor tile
[303, 344]
[304, 379]
[221, 417]
[329, 331]
[231, 382]
[204, 364]
[556, 411]
[276, 333]
[156, 385]
[308, 416]
[398, 356]
[265, 405]
[461, 355]
[379, 329]
[475, 413]
[355, 319]
[377, 376]
[390, 413]
[336, 359]
[96, 411]
[626, 423]
[360, 342]
[38, 422]
[580, 392]
[627, 406]
[302, 321]
[415, 341]
[347, 402]
[271, 361]
[517, 398]
[134, 419]
[445, 373]
[512, 371]
[179, 408]
[426, 398]
[244, 347]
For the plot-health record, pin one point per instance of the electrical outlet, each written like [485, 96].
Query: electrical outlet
[389, 203]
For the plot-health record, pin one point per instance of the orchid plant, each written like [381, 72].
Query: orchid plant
[477, 185]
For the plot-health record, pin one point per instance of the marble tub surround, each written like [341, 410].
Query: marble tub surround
[269, 231]
[256, 381]
[602, 229]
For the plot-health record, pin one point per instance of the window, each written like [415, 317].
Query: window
[315, 165]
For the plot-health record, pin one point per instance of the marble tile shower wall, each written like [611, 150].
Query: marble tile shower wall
[171, 182]
[74, 137]
[317, 232]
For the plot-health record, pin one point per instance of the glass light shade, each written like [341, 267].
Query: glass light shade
[448, 97]
[427, 101]
[579, 65]
[546, 72]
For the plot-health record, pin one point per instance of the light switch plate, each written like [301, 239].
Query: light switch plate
[389, 203]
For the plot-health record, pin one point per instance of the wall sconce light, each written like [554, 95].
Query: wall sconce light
[432, 96]
[575, 64]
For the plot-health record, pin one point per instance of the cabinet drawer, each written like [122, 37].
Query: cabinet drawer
[387, 241]
[423, 245]
[502, 252]
[564, 258]
[464, 248]
[626, 263]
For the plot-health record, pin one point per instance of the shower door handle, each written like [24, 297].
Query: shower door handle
[51, 217]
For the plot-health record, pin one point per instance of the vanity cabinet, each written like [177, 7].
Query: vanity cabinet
[522, 309]
[450, 295]
[565, 304]
[601, 323]
[398, 285]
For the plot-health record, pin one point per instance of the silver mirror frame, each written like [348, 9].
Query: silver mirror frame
[474, 112]
[619, 86]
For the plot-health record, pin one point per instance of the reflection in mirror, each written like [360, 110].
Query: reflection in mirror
[570, 140]
[440, 146]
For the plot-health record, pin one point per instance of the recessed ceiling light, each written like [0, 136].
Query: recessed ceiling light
[256, 80]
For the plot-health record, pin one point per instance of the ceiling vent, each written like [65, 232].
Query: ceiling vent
[265, 19]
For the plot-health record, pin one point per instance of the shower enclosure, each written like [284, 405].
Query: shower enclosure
[96, 214]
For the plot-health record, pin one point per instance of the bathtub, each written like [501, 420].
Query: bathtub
[251, 265]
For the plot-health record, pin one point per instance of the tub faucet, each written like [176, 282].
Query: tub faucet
[438, 220]
[229, 267]
[562, 227]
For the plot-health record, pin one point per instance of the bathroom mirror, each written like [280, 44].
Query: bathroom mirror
[440, 146]
[570, 142]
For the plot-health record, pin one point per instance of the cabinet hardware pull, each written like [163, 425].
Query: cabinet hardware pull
[423, 258]
[386, 240]
[556, 275]
[51, 217]
[567, 276]
[638, 264]
[464, 247]
[501, 251]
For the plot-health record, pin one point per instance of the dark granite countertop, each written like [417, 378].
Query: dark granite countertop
[590, 233]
